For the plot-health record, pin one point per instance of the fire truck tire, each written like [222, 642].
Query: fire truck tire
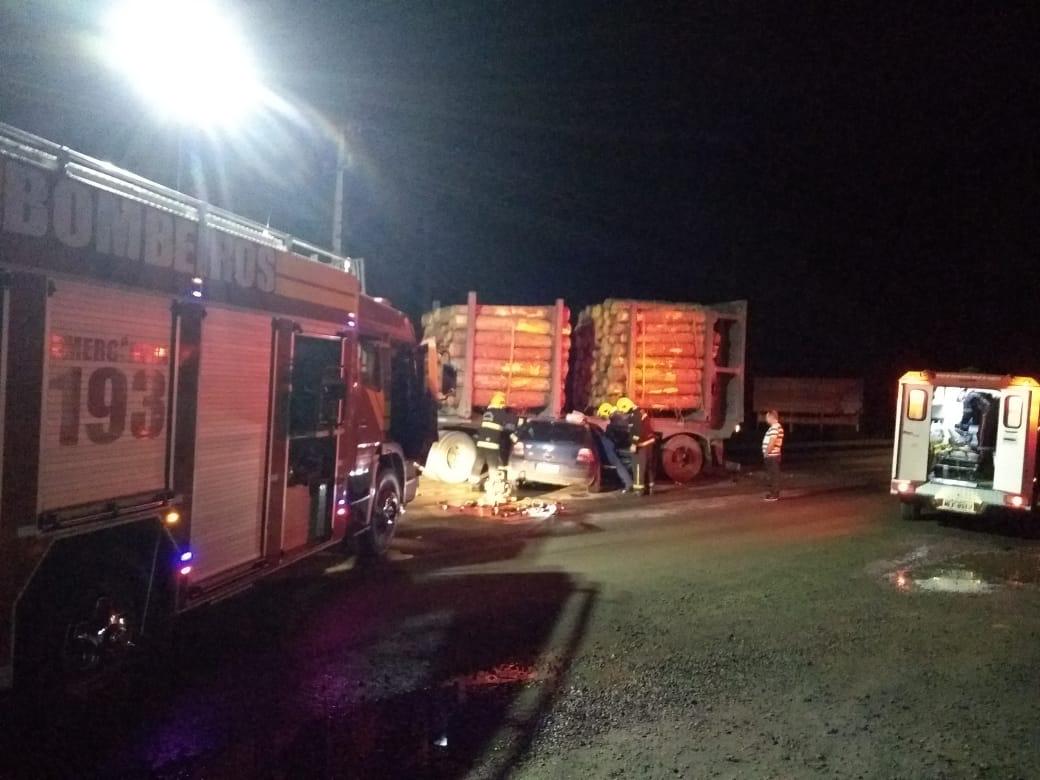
[910, 510]
[455, 457]
[682, 458]
[374, 541]
[94, 632]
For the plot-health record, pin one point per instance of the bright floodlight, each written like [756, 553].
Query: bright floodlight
[186, 57]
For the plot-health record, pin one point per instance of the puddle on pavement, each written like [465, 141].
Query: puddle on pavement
[981, 572]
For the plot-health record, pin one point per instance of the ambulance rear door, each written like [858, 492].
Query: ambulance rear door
[1014, 457]
[913, 423]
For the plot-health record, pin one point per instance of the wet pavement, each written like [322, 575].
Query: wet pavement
[697, 633]
[382, 676]
[973, 572]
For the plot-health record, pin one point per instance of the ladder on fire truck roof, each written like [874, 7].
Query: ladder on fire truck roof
[28, 148]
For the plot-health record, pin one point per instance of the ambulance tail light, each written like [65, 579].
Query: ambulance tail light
[903, 487]
[1016, 502]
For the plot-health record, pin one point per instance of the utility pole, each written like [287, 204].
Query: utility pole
[426, 290]
[338, 205]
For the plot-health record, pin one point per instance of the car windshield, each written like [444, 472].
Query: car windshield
[549, 430]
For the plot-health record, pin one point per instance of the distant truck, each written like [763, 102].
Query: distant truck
[683, 362]
[819, 401]
[189, 401]
[965, 443]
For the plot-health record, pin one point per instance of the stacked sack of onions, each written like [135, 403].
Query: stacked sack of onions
[513, 351]
[662, 369]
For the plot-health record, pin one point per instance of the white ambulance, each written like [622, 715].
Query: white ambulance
[965, 442]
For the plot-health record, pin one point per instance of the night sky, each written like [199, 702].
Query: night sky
[867, 178]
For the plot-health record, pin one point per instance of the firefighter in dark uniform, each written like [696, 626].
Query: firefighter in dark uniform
[641, 435]
[495, 433]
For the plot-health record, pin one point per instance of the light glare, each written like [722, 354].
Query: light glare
[186, 57]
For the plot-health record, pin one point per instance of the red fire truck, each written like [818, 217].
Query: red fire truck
[188, 401]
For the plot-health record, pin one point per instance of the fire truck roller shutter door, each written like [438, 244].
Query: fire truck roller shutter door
[234, 393]
[106, 394]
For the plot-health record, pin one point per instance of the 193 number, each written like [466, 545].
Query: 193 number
[107, 391]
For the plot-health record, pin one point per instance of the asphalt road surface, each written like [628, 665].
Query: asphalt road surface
[698, 633]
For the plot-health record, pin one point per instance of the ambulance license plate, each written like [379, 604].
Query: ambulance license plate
[958, 505]
[548, 468]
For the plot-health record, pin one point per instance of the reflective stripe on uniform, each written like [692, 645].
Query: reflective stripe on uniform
[492, 425]
[489, 445]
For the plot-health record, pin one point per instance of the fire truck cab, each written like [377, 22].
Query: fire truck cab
[188, 401]
[965, 442]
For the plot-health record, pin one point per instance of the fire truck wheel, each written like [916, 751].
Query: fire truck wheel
[386, 509]
[910, 510]
[102, 630]
[95, 632]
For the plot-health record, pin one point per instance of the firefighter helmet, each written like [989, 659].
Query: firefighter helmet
[625, 404]
[498, 401]
[605, 410]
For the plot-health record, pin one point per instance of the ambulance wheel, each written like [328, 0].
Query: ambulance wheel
[374, 541]
[910, 511]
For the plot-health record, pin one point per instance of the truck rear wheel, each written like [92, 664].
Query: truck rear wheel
[682, 458]
[453, 457]
[386, 509]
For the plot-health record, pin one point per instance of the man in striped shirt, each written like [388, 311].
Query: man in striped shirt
[772, 450]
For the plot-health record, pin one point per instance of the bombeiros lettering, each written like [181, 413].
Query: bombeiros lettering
[79, 216]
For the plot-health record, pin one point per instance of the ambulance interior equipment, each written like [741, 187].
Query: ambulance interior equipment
[963, 435]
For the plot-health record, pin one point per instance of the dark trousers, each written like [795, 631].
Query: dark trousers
[615, 460]
[642, 468]
[772, 475]
[492, 456]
